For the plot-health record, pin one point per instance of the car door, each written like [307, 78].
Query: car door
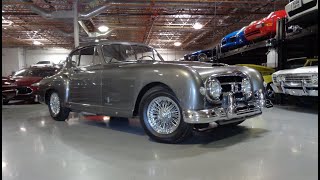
[118, 79]
[85, 80]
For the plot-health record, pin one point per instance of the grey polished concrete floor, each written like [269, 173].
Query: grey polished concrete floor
[281, 144]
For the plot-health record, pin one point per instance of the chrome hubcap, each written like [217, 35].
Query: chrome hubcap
[163, 115]
[55, 103]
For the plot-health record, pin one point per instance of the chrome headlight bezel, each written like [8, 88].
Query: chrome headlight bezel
[213, 89]
[314, 79]
[246, 87]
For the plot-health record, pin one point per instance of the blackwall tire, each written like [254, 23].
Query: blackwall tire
[173, 129]
[57, 111]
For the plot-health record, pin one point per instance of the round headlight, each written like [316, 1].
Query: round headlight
[314, 79]
[213, 89]
[280, 78]
[246, 87]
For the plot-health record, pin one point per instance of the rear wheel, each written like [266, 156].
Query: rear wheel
[57, 111]
[161, 116]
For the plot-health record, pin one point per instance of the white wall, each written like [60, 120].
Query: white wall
[12, 60]
[171, 55]
[53, 54]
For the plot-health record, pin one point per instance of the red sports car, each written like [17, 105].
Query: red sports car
[26, 80]
[264, 28]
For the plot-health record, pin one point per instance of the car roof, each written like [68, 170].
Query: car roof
[107, 42]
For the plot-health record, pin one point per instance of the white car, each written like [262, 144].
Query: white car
[302, 11]
[301, 81]
[43, 64]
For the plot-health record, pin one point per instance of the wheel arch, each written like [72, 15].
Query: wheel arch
[144, 90]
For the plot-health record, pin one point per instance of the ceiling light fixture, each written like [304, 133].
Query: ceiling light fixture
[103, 28]
[177, 44]
[197, 25]
[37, 43]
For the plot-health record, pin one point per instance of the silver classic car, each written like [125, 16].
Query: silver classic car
[171, 98]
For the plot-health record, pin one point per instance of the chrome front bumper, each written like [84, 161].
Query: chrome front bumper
[295, 90]
[228, 112]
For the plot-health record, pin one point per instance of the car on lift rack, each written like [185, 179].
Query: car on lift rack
[264, 28]
[298, 80]
[302, 12]
[202, 55]
[122, 79]
[26, 80]
[233, 40]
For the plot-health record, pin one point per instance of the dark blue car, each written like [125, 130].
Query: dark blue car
[234, 40]
[202, 55]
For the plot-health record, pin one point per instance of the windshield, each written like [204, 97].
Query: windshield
[296, 63]
[124, 52]
[43, 62]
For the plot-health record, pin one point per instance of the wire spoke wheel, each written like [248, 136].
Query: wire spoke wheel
[55, 104]
[163, 115]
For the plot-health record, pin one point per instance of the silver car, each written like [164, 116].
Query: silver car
[171, 98]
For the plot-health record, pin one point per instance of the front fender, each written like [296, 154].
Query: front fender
[183, 81]
[59, 83]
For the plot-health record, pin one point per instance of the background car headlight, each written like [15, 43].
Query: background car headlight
[314, 79]
[280, 78]
[213, 89]
[246, 87]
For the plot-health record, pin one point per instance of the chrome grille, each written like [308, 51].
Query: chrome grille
[231, 84]
[291, 78]
[24, 90]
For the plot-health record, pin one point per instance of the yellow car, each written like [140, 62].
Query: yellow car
[267, 78]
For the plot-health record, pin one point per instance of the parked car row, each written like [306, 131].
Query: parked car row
[299, 13]
[22, 85]
[256, 31]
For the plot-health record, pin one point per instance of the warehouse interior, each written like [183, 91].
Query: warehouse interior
[279, 143]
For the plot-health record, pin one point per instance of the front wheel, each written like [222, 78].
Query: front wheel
[57, 111]
[161, 116]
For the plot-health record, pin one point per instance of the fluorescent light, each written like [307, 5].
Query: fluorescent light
[23, 129]
[97, 40]
[4, 164]
[177, 44]
[197, 25]
[37, 43]
[103, 28]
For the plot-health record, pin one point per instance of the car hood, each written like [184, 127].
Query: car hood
[308, 69]
[26, 81]
[206, 69]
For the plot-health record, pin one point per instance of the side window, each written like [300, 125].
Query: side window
[118, 52]
[86, 56]
[232, 39]
[143, 52]
[75, 58]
